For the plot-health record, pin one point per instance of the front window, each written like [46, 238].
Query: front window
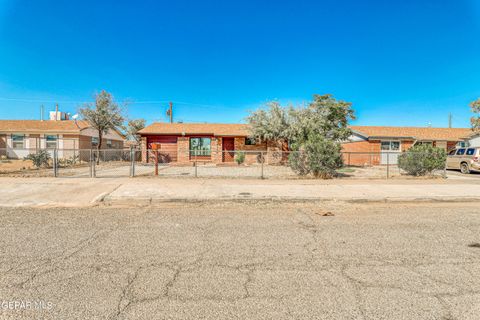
[451, 153]
[109, 144]
[95, 142]
[390, 145]
[51, 142]
[17, 141]
[200, 146]
[250, 141]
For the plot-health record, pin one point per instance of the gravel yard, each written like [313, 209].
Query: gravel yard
[20, 168]
[242, 261]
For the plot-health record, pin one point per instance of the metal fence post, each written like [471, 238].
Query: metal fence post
[132, 162]
[94, 164]
[55, 163]
[262, 160]
[388, 164]
[196, 165]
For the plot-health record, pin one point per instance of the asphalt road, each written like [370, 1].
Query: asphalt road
[394, 261]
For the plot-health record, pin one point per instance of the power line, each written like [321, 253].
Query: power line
[131, 102]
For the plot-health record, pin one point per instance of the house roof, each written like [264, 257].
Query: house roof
[417, 133]
[68, 126]
[215, 129]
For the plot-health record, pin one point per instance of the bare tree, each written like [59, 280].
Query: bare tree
[133, 127]
[104, 115]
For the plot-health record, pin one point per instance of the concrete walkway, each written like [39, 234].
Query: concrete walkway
[40, 192]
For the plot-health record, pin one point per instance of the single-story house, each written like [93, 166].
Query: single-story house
[18, 138]
[368, 145]
[213, 142]
[472, 140]
[389, 142]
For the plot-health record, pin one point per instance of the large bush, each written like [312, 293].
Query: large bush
[40, 159]
[422, 160]
[317, 156]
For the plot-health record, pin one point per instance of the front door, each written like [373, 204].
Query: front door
[228, 149]
[390, 151]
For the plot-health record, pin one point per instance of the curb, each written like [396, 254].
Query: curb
[147, 201]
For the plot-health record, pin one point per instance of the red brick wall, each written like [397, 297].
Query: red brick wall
[362, 153]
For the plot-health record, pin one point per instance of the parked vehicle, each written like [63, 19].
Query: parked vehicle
[464, 159]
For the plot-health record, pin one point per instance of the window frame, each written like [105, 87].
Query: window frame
[194, 151]
[14, 143]
[54, 141]
[109, 143]
[95, 142]
[249, 140]
[458, 152]
[390, 144]
[470, 154]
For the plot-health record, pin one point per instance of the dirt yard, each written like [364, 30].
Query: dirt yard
[15, 165]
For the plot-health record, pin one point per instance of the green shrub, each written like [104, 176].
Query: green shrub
[421, 160]
[240, 157]
[39, 159]
[317, 156]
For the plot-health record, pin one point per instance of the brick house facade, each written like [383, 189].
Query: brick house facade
[368, 145]
[375, 145]
[178, 143]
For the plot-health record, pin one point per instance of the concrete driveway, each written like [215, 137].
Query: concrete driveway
[230, 261]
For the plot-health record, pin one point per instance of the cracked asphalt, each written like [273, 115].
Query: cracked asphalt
[242, 261]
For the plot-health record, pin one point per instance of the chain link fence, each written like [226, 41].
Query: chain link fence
[112, 163]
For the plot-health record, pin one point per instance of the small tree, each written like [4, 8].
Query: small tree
[133, 127]
[103, 116]
[421, 160]
[40, 159]
[314, 132]
[271, 123]
[475, 120]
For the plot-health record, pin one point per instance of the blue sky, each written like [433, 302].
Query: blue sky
[399, 62]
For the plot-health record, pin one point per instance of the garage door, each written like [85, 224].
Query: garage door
[168, 148]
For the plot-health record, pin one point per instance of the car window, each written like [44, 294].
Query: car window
[470, 152]
[460, 152]
[451, 153]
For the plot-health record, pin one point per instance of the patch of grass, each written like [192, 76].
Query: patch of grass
[346, 170]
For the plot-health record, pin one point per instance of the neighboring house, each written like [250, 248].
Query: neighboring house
[472, 140]
[217, 143]
[18, 138]
[389, 142]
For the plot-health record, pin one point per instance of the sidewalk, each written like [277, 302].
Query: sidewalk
[46, 192]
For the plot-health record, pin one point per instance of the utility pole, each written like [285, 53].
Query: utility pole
[170, 112]
[41, 112]
[450, 120]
